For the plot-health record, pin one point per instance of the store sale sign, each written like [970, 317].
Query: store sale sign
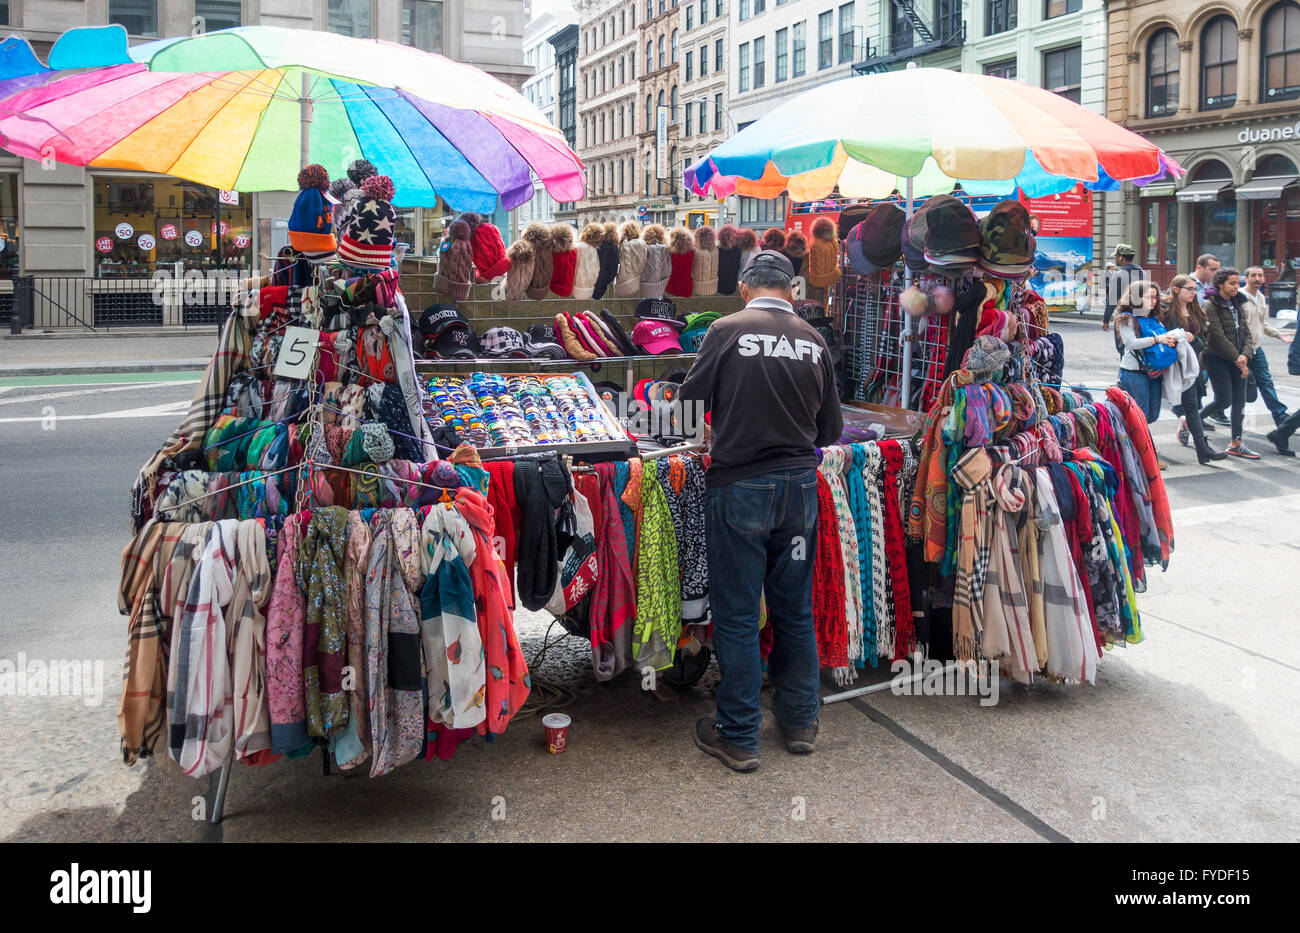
[242, 241]
[104, 244]
[223, 227]
[124, 231]
[169, 232]
[145, 241]
[193, 238]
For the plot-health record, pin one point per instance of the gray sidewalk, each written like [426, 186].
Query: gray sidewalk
[122, 351]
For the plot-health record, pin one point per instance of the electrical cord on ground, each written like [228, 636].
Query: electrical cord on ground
[543, 694]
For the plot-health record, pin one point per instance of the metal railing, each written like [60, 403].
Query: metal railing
[50, 302]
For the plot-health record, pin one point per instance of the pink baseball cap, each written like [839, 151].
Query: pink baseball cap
[656, 337]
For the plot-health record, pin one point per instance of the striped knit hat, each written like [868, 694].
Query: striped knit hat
[368, 241]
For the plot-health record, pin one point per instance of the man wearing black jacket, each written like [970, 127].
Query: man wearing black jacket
[768, 380]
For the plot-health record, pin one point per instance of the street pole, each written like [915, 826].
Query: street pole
[304, 109]
[906, 398]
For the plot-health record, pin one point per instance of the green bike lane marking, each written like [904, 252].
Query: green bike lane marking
[95, 379]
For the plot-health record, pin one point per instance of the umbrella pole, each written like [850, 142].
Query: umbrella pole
[906, 399]
[304, 105]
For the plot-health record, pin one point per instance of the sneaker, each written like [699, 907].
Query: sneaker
[1275, 438]
[800, 741]
[1216, 419]
[1184, 435]
[708, 741]
[1207, 427]
[1241, 450]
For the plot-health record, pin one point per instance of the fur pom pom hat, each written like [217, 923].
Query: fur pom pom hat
[608, 254]
[729, 258]
[654, 275]
[520, 273]
[538, 236]
[681, 246]
[631, 260]
[456, 269]
[774, 239]
[586, 269]
[564, 260]
[704, 269]
[796, 248]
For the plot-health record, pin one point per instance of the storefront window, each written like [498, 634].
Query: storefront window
[1279, 233]
[1171, 233]
[1153, 232]
[142, 224]
[138, 17]
[1216, 229]
[8, 226]
[350, 18]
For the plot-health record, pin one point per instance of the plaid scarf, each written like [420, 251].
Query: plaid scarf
[208, 402]
[252, 714]
[140, 712]
[1066, 618]
[972, 475]
[318, 572]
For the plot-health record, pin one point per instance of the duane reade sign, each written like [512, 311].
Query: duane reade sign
[1269, 134]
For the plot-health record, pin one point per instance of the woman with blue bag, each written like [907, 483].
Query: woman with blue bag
[1148, 349]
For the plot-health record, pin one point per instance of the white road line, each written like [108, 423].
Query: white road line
[1234, 511]
[73, 385]
[89, 391]
[169, 410]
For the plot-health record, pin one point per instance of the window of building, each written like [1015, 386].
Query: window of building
[1219, 63]
[1281, 59]
[649, 57]
[760, 62]
[622, 72]
[798, 50]
[350, 18]
[1054, 8]
[690, 65]
[217, 14]
[649, 9]
[999, 16]
[687, 124]
[744, 66]
[140, 17]
[631, 67]
[846, 33]
[674, 46]
[143, 223]
[1003, 69]
[663, 6]
[704, 115]
[649, 112]
[704, 60]
[672, 105]
[4, 21]
[1162, 74]
[762, 212]
[690, 18]
[704, 12]
[744, 10]
[663, 58]
[718, 63]
[759, 6]
[825, 40]
[717, 111]
[1062, 69]
[782, 55]
[9, 239]
[717, 8]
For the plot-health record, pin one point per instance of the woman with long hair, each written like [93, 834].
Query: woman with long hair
[1228, 350]
[1178, 309]
[1139, 301]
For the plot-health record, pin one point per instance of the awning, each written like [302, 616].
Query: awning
[1266, 188]
[1159, 190]
[1205, 190]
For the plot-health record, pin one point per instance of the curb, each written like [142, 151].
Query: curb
[95, 369]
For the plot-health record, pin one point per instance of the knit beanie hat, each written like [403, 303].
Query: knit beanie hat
[368, 241]
[654, 275]
[631, 260]
[311, 223]
[747, 241]
[704, 270]
[538, 237]
[774, 239]
[824, 255]
[587, 264]
[490, 260]
[796, 247]
[456, 269]
[608, 255]
[728, 259]
[520, 272]
[564, 260]
[682, 260]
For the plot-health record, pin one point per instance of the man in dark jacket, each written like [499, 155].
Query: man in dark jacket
[1125, 273]
[768, 379]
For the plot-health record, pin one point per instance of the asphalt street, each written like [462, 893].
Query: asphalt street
[1188, 736]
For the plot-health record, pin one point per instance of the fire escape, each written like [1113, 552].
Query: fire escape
[912, 35]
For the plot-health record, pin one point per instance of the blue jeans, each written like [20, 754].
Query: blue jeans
[1264, 382]
[1147, 392]
[762, 534]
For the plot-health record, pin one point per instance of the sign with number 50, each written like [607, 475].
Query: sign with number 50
[296, 352]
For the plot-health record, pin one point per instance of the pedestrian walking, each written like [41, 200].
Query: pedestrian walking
[1118, 280]
[1228, 352]
[769, 381]
[1206, 265]
[1260, 326]
[1138, 330]
[1179, 309]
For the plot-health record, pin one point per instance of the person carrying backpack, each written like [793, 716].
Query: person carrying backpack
[1148, 349]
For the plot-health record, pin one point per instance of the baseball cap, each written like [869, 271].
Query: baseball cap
[697, 325]
[503, 342]
[1124, 249]
[1006, 244]
[952, 234]
[655, 336]
[446, 330]
[658, 309]
[770, 258]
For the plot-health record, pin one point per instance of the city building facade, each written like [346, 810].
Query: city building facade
[545, 90]
[658, 184]
[67, 220]
[608, 83]
[705, 119]
[1217, 85]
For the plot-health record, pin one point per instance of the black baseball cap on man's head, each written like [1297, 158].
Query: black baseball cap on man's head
[770, 258]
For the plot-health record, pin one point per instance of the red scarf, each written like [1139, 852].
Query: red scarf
[830, 617]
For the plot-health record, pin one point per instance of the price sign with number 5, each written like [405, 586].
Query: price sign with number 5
[296, 352]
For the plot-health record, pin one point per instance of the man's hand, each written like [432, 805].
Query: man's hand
[1105, 325]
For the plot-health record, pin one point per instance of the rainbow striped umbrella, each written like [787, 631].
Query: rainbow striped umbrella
[243, 109]
[868, 135]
